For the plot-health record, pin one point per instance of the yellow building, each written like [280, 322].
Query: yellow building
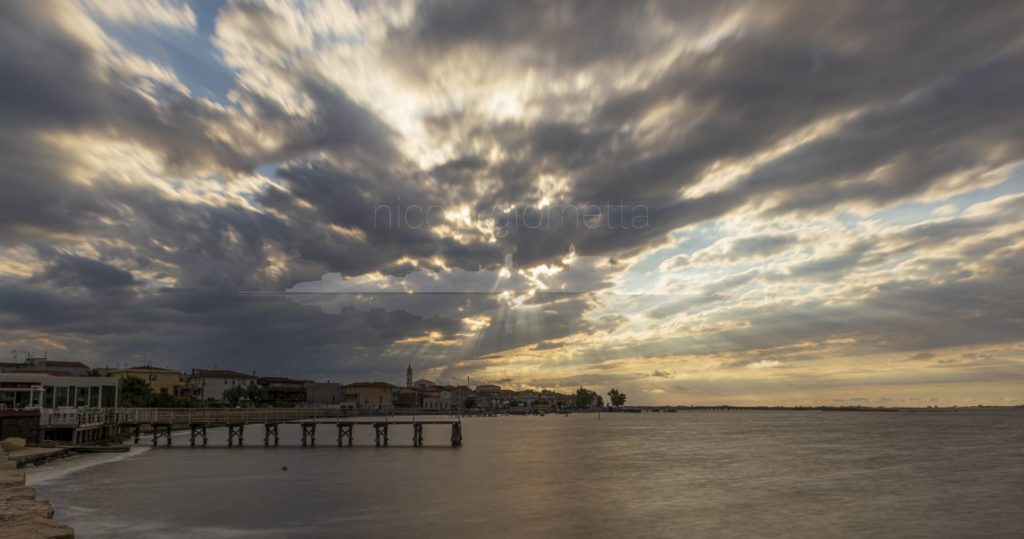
[161, 381]
[371, 395]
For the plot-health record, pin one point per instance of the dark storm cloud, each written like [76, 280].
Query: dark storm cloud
[197, 328]
[69, 270]
[927, 106]
[898, 317]
[57, 80]
[565, 34]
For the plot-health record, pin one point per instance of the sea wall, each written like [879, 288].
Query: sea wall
[20, 424]
[21, 514]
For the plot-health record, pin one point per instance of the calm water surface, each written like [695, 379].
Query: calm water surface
[696, 474]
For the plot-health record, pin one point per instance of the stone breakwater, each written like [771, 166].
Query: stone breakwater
[21, 514]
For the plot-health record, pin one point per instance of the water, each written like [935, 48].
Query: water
[697, 474]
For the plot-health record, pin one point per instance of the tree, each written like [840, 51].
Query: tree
[616, 397]
[236, 394]
[160, 400]
[134, 391]
[585, 398]
[470, 402]
[256, 393]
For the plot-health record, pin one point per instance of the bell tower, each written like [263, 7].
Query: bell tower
[408, 376]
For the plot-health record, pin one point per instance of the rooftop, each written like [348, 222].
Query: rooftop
[142, 368]
[220, 373]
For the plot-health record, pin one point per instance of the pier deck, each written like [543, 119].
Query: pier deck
[198, 436]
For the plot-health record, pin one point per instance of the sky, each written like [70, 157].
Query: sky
[775, 203]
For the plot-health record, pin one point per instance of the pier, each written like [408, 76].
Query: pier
[158, 425]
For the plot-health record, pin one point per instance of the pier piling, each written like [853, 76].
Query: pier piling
[161, 430]
[196, 430]
[270, 429]
[417, 434]
[309, 433]
[235, 430]
[344, 431]
[456, 434]
[381, 430]
[135, 429]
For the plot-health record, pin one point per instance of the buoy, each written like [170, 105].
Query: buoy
[284, 468]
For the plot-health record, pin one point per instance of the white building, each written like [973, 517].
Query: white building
[41, 390]
[210, 384]
[438, 401]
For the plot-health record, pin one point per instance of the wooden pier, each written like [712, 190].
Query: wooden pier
[198, 431]
[158, 424]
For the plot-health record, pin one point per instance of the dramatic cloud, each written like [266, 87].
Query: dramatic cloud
[709, 202]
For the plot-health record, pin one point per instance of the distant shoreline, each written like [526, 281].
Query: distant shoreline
[727, 407]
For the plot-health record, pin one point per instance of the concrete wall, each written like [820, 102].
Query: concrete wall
[20, 423]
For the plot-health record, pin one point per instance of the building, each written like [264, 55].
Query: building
[527, 398]
[43, 364]
[438, 401]
[284, 390]
[424, 385]
[45, 390]
[324, 393]
[407, 397]
[488, 396]
[211, 384]
[161, 381]
[377, 396]
[461, 394]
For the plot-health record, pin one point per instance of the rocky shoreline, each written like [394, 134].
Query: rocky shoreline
[21, 514]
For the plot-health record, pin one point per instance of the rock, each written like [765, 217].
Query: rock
[18, 509]
[13, 444]
[35, 528]
[12, 478]
[17, 493]
[21, 514]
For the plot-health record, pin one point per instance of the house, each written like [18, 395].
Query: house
[211, 384]
[527, 398]
[284, 389]
[161, 381]
[407, 397]
[378, 396]
[460, 394]
[43, 364]
[438, 401]
[488, 396]
[324, 393]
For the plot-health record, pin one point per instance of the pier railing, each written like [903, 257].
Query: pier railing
[219, 415]
[76, 417]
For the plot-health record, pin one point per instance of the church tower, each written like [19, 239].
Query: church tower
[408, 376]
